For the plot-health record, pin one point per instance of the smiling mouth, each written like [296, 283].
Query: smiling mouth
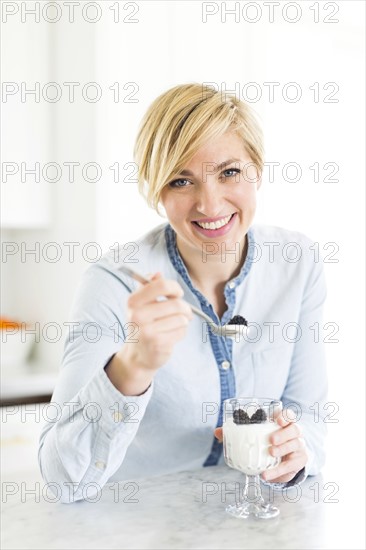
[215, 225]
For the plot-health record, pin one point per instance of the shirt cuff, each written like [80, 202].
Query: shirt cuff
[117, 412]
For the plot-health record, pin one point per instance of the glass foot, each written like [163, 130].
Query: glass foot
[251, 510]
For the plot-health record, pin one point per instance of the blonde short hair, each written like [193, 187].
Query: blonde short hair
[178, 123]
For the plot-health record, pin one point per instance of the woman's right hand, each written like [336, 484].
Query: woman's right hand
[160, 326]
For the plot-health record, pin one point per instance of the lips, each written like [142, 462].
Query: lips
[215, 232]
[209, 220]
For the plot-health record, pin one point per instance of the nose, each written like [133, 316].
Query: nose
[209, 200]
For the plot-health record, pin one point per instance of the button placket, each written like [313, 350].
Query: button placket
[117, 416]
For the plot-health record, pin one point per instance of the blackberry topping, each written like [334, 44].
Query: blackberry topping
[238, 320]
[240, 417]
[258, 417]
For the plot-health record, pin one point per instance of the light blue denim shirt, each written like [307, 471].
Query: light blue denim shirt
[94, 434]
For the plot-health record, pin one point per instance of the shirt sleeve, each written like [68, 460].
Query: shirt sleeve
[89, 423]
[307, 386]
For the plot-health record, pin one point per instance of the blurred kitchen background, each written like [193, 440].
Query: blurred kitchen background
[134, 51]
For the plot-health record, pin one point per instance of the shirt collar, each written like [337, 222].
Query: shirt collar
[179, 266]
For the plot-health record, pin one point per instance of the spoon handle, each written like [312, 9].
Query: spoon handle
[132, 273]
[141, 279]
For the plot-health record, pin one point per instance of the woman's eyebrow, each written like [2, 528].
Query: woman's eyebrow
[219, 167]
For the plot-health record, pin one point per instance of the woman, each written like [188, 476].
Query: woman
[143, 380]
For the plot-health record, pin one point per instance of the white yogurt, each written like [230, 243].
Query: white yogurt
[246, 446]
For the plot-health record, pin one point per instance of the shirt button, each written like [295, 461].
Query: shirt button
[117, 416]
[232, 285]
[225, 365]
[100, 465]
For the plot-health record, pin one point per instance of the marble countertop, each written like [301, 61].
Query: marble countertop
[180, 510]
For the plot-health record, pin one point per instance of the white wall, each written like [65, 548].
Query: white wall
[33, 288]
[26, 123]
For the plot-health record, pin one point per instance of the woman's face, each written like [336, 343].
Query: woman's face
[207, 193]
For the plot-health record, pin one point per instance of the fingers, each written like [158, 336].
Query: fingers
[162, 328]
[144, 309]
[288, 468]
[289, 447]
[152, 290]
[157, 310]
[291, 431]
[285, 417]
[289, 428]
[154, 276]
[162, 317]
[287, 444]
[219, 434]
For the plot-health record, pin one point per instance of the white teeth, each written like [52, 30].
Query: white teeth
[215, 225]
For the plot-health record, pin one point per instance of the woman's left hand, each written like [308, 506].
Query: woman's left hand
[287, 443]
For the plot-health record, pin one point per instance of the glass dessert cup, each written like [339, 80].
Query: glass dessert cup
[248, 422]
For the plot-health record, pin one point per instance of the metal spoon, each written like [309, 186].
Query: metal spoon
[228, 331]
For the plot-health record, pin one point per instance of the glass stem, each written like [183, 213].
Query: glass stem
[252, 489]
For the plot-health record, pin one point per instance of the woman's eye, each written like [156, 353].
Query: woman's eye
[178, 183]
[230, 172]
[235, 170]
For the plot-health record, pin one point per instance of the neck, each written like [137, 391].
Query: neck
[207, 270]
